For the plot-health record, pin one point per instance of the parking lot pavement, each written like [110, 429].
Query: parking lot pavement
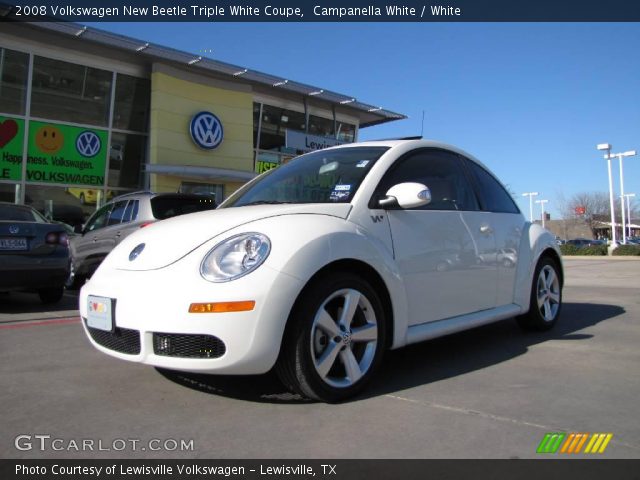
[488, 393]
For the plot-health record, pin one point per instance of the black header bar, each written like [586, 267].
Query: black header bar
[323, 11]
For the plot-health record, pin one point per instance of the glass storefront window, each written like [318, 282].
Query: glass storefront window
[346, 132]
[56, 203]
[275, 121]
[214, 190]
[323, 127]
[131, 109]
[69, 92]
[126, 157]
[14, 67]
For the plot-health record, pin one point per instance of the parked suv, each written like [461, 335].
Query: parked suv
[120, 217]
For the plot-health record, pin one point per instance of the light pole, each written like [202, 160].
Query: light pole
[629, 195]
[542, 202]
[530, 195]
[630, 153]
[607, 148]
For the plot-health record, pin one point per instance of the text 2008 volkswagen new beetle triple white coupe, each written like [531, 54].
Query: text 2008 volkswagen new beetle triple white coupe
[319, 266]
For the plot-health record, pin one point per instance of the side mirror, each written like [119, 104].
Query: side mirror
[407, 195]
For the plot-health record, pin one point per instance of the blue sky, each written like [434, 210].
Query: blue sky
[530, 100]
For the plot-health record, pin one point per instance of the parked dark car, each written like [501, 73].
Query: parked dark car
[584, 242]
[34, 253]
[123, 215]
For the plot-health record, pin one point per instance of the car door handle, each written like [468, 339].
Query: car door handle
[486, 229]
[118, 234]
[95, 239]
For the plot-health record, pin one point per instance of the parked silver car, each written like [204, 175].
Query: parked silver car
[34, 253]
[123, 215]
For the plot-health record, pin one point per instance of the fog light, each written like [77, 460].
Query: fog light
[163, 345]
[222, 307]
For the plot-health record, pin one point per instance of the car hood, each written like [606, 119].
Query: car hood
[169, 240]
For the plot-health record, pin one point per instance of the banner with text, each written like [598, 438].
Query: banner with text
[65, 154]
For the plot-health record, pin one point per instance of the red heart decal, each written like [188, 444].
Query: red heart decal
[8, 130]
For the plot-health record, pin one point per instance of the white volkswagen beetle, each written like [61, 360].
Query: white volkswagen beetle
[319, 266]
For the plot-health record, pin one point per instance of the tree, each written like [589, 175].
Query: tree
[592, 208]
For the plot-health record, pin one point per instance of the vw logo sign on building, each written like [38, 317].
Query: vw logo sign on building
[88, 144]
[206, 130]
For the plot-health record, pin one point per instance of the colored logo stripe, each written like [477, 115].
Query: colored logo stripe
[574, 443]
[561, 442]
[598, 442]
[551, 442]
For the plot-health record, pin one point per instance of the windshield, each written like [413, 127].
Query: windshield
[326, 176]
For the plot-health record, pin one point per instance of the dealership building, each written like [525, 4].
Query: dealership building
[86, 111]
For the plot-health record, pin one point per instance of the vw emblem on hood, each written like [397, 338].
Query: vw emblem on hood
[14, 229]
[135, 253]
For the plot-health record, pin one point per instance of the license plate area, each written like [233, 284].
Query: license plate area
[101, 313]
[13, 244]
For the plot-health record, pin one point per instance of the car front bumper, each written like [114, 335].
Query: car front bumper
[151, 315]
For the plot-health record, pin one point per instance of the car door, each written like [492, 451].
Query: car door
[110, 235]
[85, 249]
[437, 246]
[507, 222]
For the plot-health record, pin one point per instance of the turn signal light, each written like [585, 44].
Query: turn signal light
[222, 307]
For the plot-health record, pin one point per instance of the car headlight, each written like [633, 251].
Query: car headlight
[235, 257]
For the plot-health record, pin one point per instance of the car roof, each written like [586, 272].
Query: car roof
[412, 142]
[149, 194]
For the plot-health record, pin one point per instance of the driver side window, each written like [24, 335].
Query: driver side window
[99, 219]
[441, 172]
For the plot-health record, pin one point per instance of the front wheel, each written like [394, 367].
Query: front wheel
[546, 297]
[335, 338]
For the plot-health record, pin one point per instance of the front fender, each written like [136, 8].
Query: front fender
[304, 244]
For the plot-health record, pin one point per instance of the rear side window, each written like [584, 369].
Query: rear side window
[117, 213]
[129, 213]
[167, 207]
[495, 197]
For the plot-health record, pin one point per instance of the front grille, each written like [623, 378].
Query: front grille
[188, 346]
[121, 340]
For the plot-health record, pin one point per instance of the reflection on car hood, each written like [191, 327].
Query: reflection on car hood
[169, 240]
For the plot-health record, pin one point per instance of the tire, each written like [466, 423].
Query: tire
[328, 356]
[546, 297]
[51, 295]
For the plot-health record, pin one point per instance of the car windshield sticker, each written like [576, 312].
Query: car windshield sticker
[342, 188]
[362, 163]
[338, 195]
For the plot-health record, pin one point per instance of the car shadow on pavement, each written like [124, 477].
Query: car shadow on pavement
[254, 388]
[475, 349]
[29, 303]
[421, 363]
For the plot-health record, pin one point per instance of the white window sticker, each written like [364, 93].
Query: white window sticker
[362, 163]
[342, 188]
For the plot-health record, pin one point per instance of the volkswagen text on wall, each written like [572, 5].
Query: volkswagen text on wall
[206, 130]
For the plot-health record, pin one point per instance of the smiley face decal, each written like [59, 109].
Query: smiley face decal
[49, 139]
